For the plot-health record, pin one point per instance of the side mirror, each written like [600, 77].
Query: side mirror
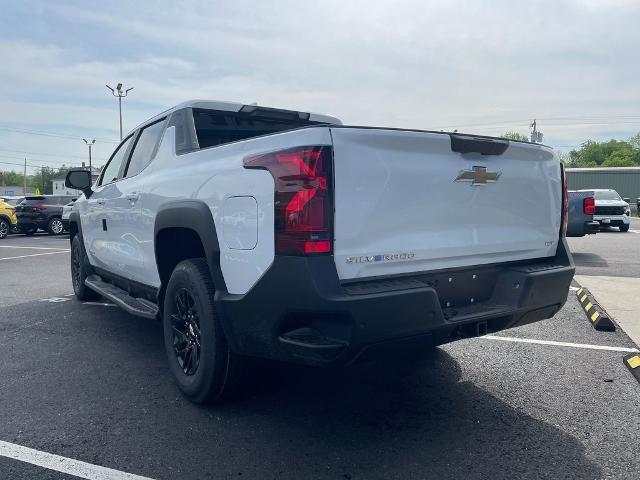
[79, 179]
[628, 200]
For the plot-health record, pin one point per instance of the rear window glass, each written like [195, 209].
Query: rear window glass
[214, 127]
[607, 195]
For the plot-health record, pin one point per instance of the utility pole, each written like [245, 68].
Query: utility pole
[536, 136]
[90, 144]
[120, 95]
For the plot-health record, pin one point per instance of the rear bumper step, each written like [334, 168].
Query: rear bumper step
[134, 306]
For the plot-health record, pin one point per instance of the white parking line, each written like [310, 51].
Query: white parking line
[64, 464]
[561, 344]
[634, 231]
[34, 255]
[32, 248]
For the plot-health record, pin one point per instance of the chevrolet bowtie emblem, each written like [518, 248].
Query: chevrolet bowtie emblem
[477, 175]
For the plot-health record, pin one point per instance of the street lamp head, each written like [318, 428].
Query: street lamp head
[119, 87]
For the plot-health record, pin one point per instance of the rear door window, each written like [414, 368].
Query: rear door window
[145, 148]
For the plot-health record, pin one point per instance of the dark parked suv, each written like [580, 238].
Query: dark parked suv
[42, 212]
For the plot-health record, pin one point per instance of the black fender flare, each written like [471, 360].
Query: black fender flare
[193, 215]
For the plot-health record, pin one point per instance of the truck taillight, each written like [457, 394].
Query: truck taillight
[565, 202]
[589, 206]
[303, 203]
[38, 208]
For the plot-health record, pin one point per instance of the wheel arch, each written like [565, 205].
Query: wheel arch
[189, 225]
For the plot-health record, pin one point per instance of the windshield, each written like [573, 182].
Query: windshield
[607, 195]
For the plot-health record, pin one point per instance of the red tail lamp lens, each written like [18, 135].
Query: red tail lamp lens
[589, 206]
[303, 198]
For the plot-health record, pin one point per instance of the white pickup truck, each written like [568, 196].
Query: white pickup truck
[253, 231]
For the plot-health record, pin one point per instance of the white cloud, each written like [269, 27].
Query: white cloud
[423, 64]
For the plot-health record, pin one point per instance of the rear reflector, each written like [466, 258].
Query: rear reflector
[303, 203]
[589, 206]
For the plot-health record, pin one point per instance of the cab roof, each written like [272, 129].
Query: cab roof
[234, 107]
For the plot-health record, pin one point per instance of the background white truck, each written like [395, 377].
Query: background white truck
[254, 231]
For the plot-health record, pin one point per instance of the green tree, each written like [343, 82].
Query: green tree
[623, 158]
[516, 136]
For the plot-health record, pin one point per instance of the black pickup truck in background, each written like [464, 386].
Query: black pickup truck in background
[42, 212]
[582, 207]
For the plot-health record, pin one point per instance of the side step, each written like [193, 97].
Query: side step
[135, 306]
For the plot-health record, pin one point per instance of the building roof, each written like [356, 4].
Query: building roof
[94, 173]
[605, 170]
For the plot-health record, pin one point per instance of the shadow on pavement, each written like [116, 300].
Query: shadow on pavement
[93, 384]
[588, 260]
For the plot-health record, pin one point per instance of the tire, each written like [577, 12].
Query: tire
[624, 228]
[4, 228]
[80, 269]
[202, 364]
[55, 226]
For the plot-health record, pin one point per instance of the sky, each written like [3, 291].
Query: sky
[484, 67]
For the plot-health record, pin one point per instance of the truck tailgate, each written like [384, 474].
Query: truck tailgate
[406, 202]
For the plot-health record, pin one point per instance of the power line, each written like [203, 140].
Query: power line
[58, 162]
[51, 134]
[592, 120]
[82, 157]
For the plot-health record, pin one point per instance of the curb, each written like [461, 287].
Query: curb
[632, 362]
[598, 317]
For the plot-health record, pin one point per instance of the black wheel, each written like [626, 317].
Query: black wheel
[624, 228]
[200, 359]
[80, 269]
[4, 228]
[55, 226]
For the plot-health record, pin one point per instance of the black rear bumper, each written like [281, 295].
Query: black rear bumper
[299, 310]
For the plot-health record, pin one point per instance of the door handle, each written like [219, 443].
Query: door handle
[100, 201]
[133, 196]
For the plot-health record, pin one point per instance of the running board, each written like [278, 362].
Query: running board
[135, 306]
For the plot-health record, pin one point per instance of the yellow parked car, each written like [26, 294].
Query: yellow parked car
[8, 219]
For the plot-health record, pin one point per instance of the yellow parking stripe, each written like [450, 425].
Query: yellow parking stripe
[634, 362]
[595, 316]
[588, 306]
[584, 297]
[579, 292]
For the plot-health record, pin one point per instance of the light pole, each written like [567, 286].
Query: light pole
[90, 144]
[120, 95]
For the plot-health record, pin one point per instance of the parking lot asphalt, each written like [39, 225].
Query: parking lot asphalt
[89, 382]
[33, 267]
[608, 252]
